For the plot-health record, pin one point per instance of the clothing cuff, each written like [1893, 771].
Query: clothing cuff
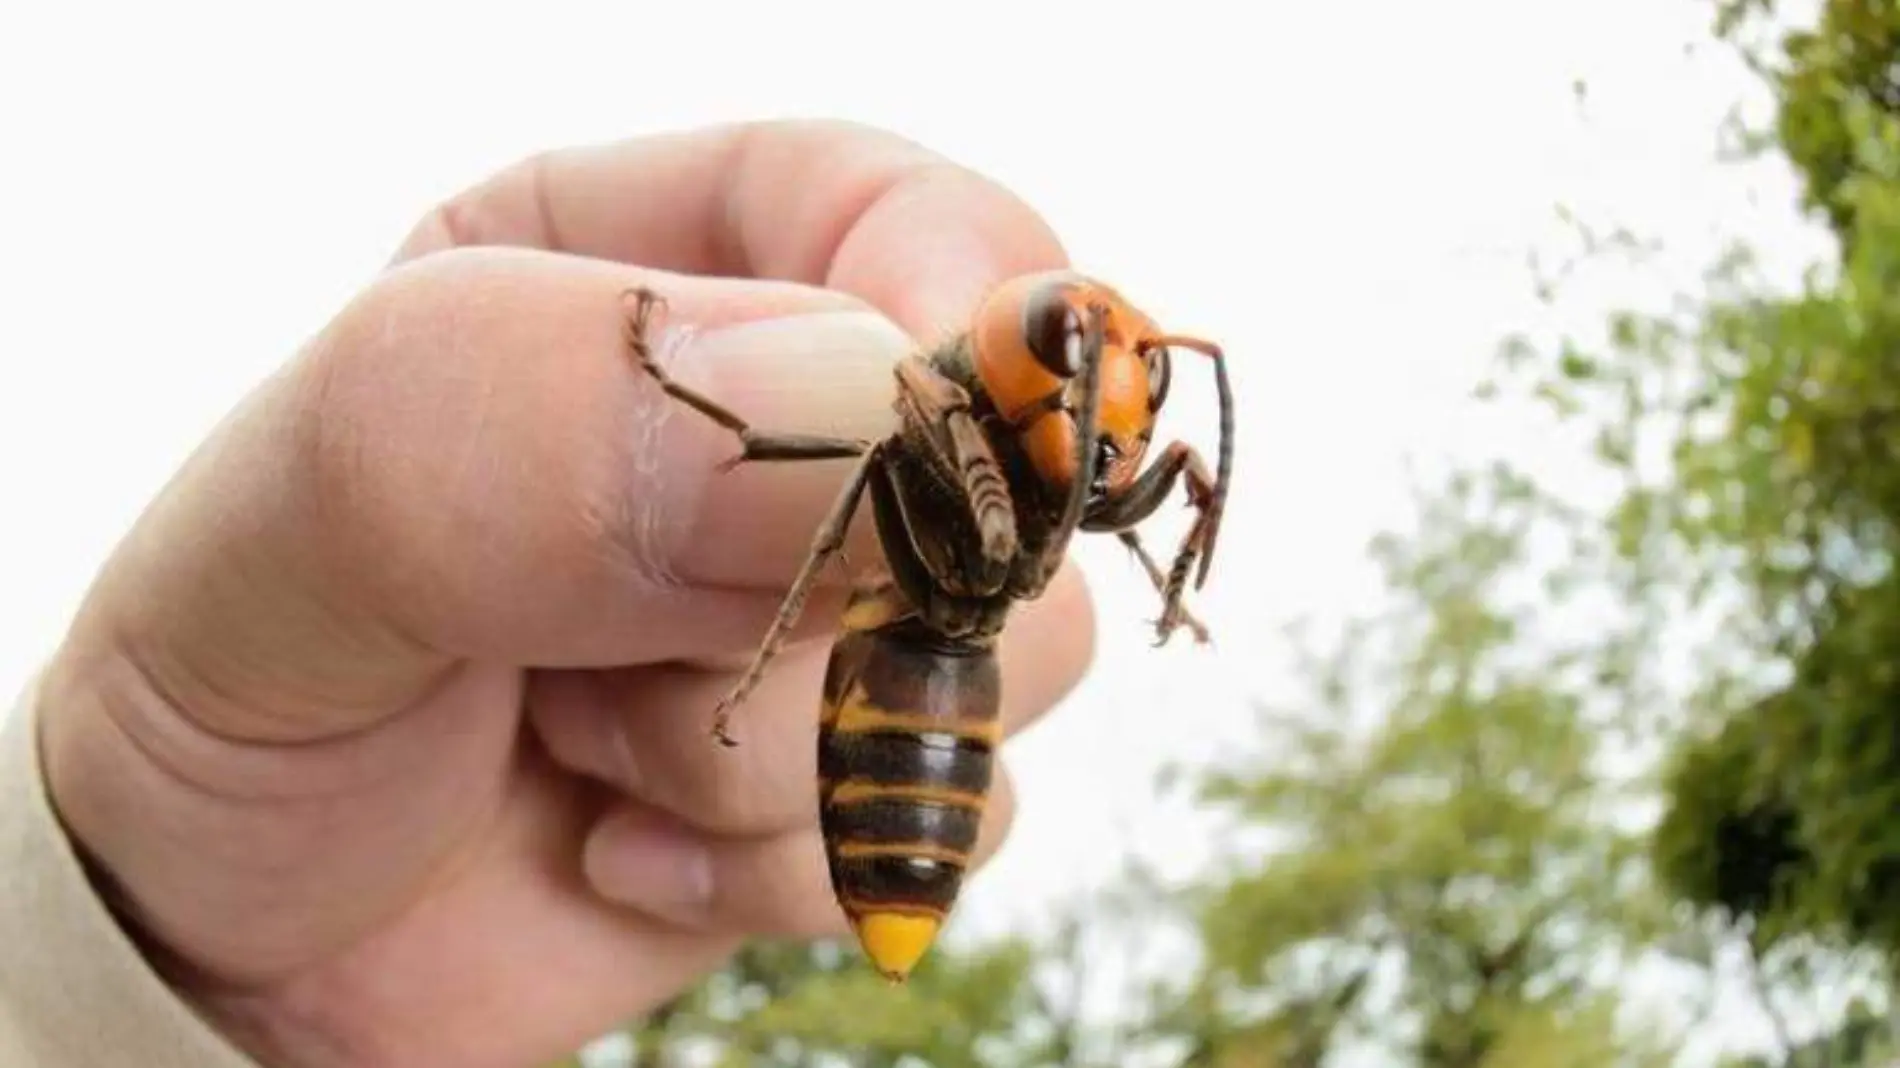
[74, 989]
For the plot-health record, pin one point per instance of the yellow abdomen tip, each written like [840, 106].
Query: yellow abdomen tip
[896, 941]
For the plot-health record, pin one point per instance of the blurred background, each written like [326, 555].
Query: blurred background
[1550, 719]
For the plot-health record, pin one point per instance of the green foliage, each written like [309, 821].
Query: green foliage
[1776, 418]
[1728, 842]
[1787, 816]
[1840, 96]
[1864, 1040]
[1011, 1003]
[793, 1006]
[1447, 885]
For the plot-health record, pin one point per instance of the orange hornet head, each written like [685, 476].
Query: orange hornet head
[1027, 346]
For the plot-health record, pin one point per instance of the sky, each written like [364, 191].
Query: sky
[1342, 194]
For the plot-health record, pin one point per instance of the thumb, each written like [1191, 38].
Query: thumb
[466, 465]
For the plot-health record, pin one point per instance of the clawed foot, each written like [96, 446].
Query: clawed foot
[1173, 619]
[722, 726]
[749, 448]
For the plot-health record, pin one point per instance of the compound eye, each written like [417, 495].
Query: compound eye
[1053, 332]
[1160, 373]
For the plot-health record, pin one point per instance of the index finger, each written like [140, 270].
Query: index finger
[840, 205]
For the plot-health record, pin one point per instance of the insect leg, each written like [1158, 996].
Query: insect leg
[827, 543]
[1160, 580]
[958, 449]
[1139, 501]
[1224, 466]
[756, 444]
[1134, 504]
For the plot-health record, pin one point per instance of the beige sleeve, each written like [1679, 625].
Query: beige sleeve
[74, 991]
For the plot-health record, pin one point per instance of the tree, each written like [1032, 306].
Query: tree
[1777, 414]
[1449, 885]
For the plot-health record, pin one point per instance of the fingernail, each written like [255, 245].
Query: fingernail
[637, 859]
[824, 373]
[829, 374]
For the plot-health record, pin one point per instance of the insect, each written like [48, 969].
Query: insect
[1012, 435]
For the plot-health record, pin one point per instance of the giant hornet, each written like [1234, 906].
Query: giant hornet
[1012, 435]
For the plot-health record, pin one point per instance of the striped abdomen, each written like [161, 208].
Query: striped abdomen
[905, 751]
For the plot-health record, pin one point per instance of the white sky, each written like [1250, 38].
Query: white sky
[1342, 193]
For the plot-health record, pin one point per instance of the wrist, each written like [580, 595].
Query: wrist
[78, 987]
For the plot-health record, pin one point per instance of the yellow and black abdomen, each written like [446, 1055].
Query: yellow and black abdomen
[906, 749]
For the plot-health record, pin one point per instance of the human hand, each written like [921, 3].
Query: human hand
[386, 728]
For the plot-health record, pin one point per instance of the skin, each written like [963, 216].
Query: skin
[386, 728]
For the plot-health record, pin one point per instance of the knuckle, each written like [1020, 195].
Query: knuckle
[456, 222]
[470, 218]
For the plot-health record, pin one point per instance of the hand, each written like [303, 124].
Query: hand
[386, 728]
